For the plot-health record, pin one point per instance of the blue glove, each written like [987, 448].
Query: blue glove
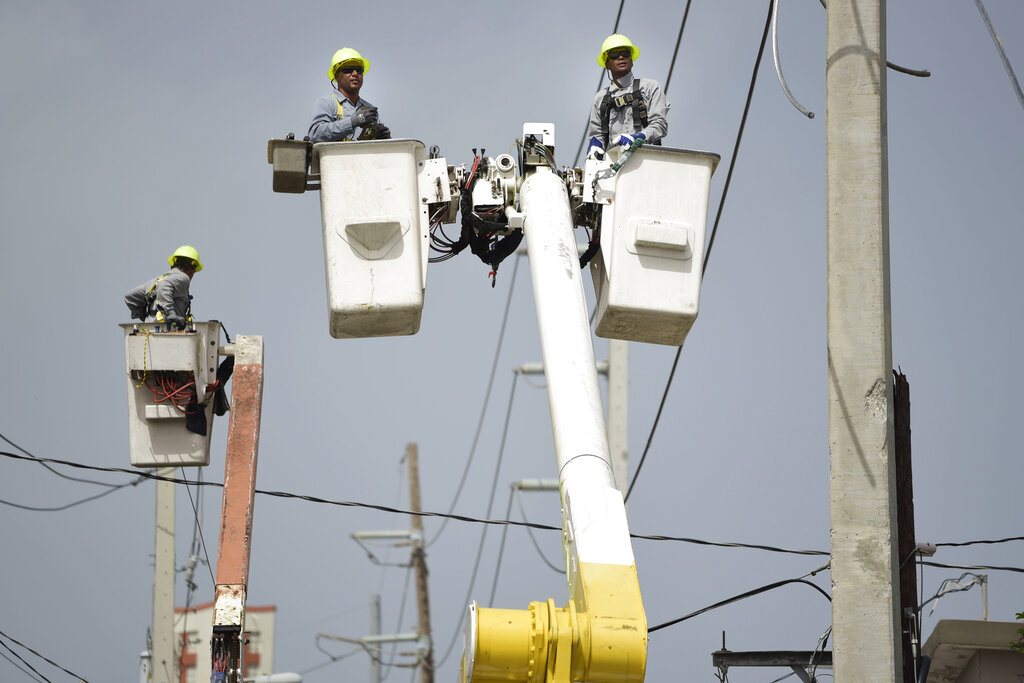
[627, 140]
[595, 149]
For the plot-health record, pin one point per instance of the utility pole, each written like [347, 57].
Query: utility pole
[163, 663]
[238, 502]
[375, 631]
[616, 370]
[865, 566]
[618, 412]
[419, 562]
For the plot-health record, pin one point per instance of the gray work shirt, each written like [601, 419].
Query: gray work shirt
[620, 119]
[326, 126]
[170, 297]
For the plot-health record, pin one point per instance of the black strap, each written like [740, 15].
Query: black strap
[639, 108]
[605, 113]
[635, 98]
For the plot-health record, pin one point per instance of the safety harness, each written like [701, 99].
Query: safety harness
[634, 99]
[151, 302]
[369, 131]
[341, 115]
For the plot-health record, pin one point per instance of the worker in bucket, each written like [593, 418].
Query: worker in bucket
[165, 299]
[343, 115]
[630, 108]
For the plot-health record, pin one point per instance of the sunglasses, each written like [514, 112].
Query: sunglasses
[349, 69]
[618, 53]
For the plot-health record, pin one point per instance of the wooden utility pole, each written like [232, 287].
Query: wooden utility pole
[905, 517]
[419, 563]
[237, 507]
[865, 567]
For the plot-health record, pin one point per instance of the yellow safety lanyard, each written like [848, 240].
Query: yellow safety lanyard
[151, 301]
[341, 115]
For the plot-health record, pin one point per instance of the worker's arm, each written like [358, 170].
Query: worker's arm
[137, 300]
[325, 126]
[594, 126]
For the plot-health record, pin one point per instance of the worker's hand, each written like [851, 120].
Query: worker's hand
[176, 321]
[364, 116]
[628, 140]
[383, 132]
[595, 149]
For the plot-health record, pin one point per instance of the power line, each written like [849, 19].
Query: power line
[502, 522]
[1019, 570]
[45, 659]
[679, 39]
[483, 408]
[198, 526]
[743, 596]
[600, 80]
[60, 508]
[16, 665]
[529, 532]
[1002, 52]
[64, 476]
[966, 543]
[714, 230]
[483, 533]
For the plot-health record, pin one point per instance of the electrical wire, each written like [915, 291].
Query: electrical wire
[1019, 570]
[920, 73]
[952, 586]
[401, 620]
[19, 666]
[45, 659]
[59, 474]
[483, 408]
[483, 533]
[496, 522]
[198, 525]
[966, 543]
[679, 39]
[59, 508]
[1003, 53]
[600, 80]
[745, 595]
[333, 658]
[778, 63]
[529, 532]
[714, 231]
[501, 546]
[8, 648]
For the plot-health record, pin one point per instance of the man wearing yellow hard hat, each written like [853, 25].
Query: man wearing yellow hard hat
[342, 114]
[166, 298]
[629, 108]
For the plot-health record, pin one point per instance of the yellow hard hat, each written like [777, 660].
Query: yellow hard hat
[617, 40]
[347, 54]
[188, 252]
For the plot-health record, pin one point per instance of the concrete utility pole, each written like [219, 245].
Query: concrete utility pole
[618, 412]
[865, 568]
[419, 561]
[163, 663]
[616, 369]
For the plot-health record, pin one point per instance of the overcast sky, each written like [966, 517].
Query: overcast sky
[134, 127]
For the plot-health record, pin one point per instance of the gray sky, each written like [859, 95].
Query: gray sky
[134, 127]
